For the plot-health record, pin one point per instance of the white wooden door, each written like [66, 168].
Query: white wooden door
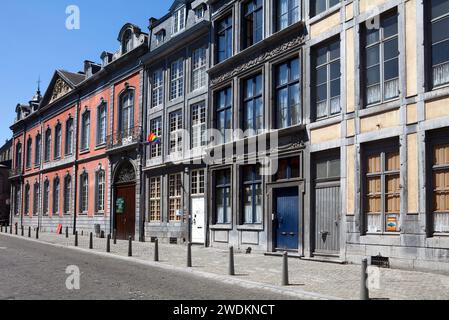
[198, 230]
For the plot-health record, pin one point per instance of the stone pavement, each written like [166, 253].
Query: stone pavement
[326, 279]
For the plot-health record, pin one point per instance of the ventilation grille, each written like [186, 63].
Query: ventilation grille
[379, 261]
[173, 241]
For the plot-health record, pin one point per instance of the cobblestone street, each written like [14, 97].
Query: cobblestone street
[325, 279]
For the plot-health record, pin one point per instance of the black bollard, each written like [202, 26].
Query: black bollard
[364, 292]
[108, 244]
[189, 255]
[115, 236]
[22, 231]
[231, 262]
[285, 269]
[1, 228]
[156, 250]
[37, 233]
[91, 241]
[17, 229]
[76, 239]
[67, 232]
[130, 247]
[29, 232]
[10, 229]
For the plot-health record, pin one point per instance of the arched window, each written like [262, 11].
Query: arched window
[67, 194]
[58, 141]
[56, 195]
[36, 196]
[45, 208]
[100, 191]
[19, 155]
[101, 123]
[47, 145]
[127, 44]
[29, 152]
[85, 130]
[69, 137]
[27, 199]
[37, 151]
[84, 193]
[127, 111]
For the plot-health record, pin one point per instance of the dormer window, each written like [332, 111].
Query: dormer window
[179, 18]
[160, 37]
[200, 12]
[127, 42]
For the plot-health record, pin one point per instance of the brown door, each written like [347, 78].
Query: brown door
[125, 211]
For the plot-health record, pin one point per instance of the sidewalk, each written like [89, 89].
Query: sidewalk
[322, 279]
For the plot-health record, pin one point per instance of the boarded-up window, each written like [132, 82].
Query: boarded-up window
[383, 191]
[441, 188]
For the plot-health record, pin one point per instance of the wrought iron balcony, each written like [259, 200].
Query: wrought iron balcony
[124, 138]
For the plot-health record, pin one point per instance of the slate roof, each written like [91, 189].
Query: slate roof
[72, 78]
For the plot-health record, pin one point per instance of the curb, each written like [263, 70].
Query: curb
[247, 284]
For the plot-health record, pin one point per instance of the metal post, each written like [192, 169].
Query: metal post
[285, 269]
[130, 247]
[115, 236]
[17, 229]
[231, 262]
[189, 255]
[1, 228]
[29, 232]
[364, 292]
[21, 227]
[67, 232]
[156, 250]
[91, 241]
[37, 233]
[76, 238]
[108, 244]
[10, 229]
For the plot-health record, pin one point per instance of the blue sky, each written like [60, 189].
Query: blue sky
[35, 42]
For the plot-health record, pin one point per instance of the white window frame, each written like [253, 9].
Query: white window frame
[177, 79]
[199, 67]
[179, 20]
[157, 90]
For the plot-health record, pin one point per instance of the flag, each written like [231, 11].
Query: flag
[153, 139]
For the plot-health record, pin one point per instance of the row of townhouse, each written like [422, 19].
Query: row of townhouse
[330, 132]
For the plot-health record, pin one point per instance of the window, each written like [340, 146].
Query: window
[439, 35]
[58, 141]
[179, 20]
[127, 45]
[157, 95]
[326, 62]
[252, 195]
[200, 12]
[382, 194]
[199, 68]
[46, 207]
[69, 137]
[155, 199]
[223, 197]
[224, 39]
[223, 102]
[85, 130]
[56, 195]
[84, 193]
[288, 95]
[177, 79]
[176, 132]
[101, 123]
[327, 167]
[199, 137]
[47, 145]
[175, 193]
[156, 129]
[440, 177]
[38, 148]
[287, 13]
[382, 61]
[36, 196]
[29, 152]
[252, 22]
[197, 183]
[288, 168]
[319, 6]
[17, 198]
[27, 199]
[253, 106]
[101, 191]
[19, 156]
[127, 112]
[67, 194]
[160, 37]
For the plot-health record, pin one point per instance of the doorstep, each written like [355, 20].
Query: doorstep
[280, 254]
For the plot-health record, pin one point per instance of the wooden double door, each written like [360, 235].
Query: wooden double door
[125, 211]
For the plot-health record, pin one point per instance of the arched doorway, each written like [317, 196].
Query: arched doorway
[125, 201]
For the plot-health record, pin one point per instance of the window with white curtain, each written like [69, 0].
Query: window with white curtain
[288, 12]
[177, 79]
[101, 123]
[176, 131]
[178, 20]
[127, 112]
[223, 196]
[198, 128]
[439, 31]
[85, 130]
[157, 94]
[100, 191]
[84, 193]
[252, 195]
[199, 68]
[67, 194]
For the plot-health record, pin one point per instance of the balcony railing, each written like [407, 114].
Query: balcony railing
[124, 138]
[16, 172]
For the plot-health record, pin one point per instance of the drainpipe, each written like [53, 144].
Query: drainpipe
[75, 185]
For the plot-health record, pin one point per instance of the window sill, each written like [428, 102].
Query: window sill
[324, 122]
[441, 234]
[323, 15]
[100, 146]
[380, 108]
[221, 227]
[383, 234]
[84, 151]
[250, 227]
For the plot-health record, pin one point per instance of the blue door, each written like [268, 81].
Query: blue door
[286, 222]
